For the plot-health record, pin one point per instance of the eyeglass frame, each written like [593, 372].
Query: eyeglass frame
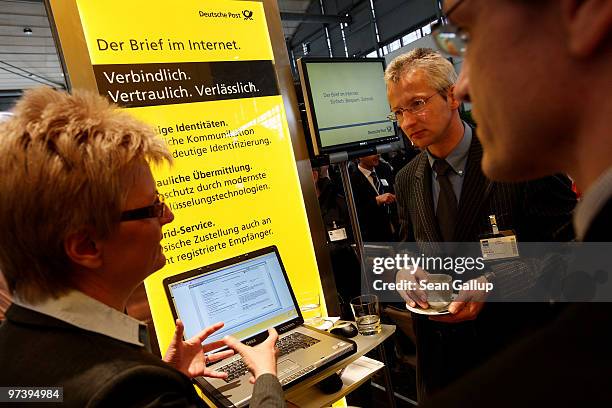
[395, 115]
[454, 35]
[155, 210]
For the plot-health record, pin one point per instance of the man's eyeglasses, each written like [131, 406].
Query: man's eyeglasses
[416, 106]
[448, 37]
[155, 210]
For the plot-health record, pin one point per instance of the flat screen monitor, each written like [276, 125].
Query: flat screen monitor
[346, 103]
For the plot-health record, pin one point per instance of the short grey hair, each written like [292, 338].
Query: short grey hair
[439, 72]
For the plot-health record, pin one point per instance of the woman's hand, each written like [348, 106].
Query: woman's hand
[188, 356]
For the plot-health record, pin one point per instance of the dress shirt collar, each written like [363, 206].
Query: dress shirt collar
[86, 313]
[365, 171]
[368, 175]
[592, 202]
[457, 159]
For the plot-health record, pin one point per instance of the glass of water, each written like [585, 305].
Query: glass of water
[367, 315]
[310, 306]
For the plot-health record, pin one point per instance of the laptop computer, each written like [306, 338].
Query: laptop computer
[251, 293]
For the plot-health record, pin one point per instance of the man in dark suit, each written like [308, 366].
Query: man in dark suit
[372, 183]
[443, 196]
[526, 135]
[82, 224]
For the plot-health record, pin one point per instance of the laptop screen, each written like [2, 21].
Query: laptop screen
[249, 296]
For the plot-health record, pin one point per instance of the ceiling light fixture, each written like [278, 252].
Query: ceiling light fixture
[27, 31]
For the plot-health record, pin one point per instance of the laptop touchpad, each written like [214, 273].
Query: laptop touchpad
[286, 366]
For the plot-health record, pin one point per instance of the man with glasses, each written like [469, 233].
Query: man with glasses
[539, 74]
[82, 223]
[442, 196]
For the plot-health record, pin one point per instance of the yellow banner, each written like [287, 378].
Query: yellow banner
[139, 31]
[202, 73]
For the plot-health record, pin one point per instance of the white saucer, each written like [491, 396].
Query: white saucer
[430, 311]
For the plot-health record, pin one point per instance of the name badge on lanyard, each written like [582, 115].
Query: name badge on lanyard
[337, 233]
[499, 244]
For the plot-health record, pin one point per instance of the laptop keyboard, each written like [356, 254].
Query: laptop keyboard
[294, 341]
[286, 345]
[234, 370]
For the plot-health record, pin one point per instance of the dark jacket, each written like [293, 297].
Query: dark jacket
[565, 364]
[95, 370]
[537, 211]
[374, 220]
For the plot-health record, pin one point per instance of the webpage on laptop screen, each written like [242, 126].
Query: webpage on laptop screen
[249, 297]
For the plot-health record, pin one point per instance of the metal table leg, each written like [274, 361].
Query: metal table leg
[387, 376]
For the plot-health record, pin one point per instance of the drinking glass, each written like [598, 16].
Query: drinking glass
[367, 314]
[310, 306]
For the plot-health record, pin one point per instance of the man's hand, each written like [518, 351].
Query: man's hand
[386, 198]
[466, 306]
[260, 359]
[188, 356]
[415, 296]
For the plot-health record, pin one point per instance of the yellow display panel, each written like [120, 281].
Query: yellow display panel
[120, 32]
[234, 185]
